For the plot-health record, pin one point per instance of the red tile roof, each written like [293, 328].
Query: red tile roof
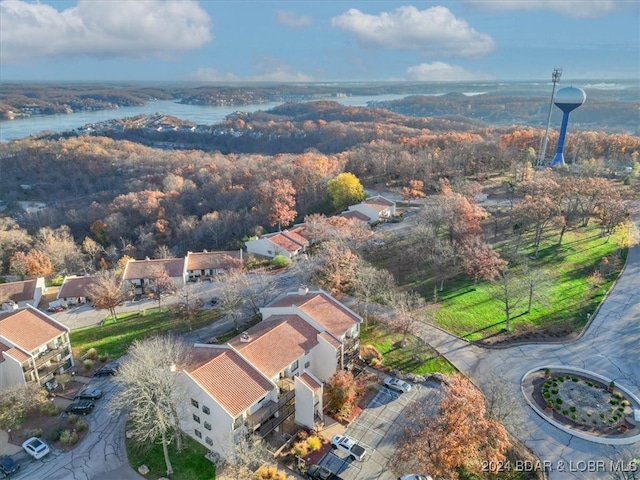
[18, 354]
[75, 286]
[331, 339]
[18, 291]
[209, 260]
[29, 328]
[331, 314]
[146, 268]
[310, 382]
[285, 243]
[296, 236]
[275, 343]
[228, 378]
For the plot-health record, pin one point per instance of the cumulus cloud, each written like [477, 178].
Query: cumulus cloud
[102, 28]
[570, 8]
[443, 72]
[268, 69]
[435, 31]
[290, 19]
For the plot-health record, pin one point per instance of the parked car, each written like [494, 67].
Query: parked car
[88, 393]
[8, 466]
[348, 446]
[318, 472]
[415, 476]
[83, 407]
[108, 369]
[35, 447]
[397, 385]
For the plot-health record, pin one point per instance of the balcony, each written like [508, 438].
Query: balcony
[261, 417]
[56, 355]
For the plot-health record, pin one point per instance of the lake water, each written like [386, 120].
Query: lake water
[202, 115]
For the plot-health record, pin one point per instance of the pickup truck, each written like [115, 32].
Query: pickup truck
[318, 472]
[348, 446]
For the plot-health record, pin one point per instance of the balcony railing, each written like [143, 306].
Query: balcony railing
[57, 353]
[255, 420]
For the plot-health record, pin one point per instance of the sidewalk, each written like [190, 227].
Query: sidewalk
[7, 448]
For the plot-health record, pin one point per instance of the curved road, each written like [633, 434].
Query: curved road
[610, 346]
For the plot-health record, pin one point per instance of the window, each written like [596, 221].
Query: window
[198, 433]
[205, 409]
[307, 364]
[294, 366]
[194, 403]
[207, 425]
[209, 441]
[196, 418]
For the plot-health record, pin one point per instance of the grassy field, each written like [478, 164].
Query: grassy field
[189, 464]
[113, 338]
[566, 296]
[414, 357]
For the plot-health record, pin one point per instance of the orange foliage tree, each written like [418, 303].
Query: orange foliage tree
[460, 434]
[342, 392]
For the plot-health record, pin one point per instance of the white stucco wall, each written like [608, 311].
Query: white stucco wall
[304, 405]
[11, 372]
[324, 362]
[265, 247]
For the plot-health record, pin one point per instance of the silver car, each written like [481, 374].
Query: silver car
[397, 385]
[35, 447]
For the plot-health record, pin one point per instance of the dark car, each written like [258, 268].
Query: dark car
[83, 407]
[8, 466]
[108, 369]
[317, 472]
[89, 394]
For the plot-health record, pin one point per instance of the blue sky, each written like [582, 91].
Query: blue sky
[318, 40]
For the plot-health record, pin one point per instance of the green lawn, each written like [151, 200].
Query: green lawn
[415, 357]
[189, 464]
[567, 295]
[113, 338]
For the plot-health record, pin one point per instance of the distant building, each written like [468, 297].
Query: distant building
[74, 290]
[206, 264]
[139, 274]
[288, 243]
[20, 294]
[375, 209]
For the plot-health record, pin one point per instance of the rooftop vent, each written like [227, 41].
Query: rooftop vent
[245, 337]
[303, 290]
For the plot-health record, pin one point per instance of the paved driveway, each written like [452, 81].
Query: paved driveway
[101, 455]
[379, 428]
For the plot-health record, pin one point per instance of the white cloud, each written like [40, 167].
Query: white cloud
[102, 28]
[435, 30]
[290, 19]
[570, 8]
[443, 72]
[269, 69]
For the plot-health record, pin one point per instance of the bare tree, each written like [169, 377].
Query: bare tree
[149, 391]
[371, 284]
[106, 291]
[16, 400]
[243, 456]
[409, 311]
[188, 305]
[508, 288]
[231, 300]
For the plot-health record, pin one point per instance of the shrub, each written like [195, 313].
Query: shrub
[69, 437]
[54, 435]
[35, 432]
[270, 472]
[374, 362]
[104, 357]
[81, 425]
[565, 412]
[314, 443]
[555, 391]
[72, 418]
[559, 401]
[49, 408]
[92, 353]
[280, 261]
[546, 395]
[303, 435]
[574, 379]
[87, 364]
[572, 408]
[625, 403]
[574, 416]
[301, 449]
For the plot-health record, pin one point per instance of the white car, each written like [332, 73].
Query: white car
[397, 385]
[348, 446]
[35, 447]
[415, 476]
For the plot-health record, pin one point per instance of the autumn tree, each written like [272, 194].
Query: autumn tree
[457, 434]
[242, 457]
[148, 391]
[342, 392]
[413, 191]
[408, 312]
[337, 266]
[345, 190]
[161, 284]
[34, 263]
[538, 211]
[479, 260]
[187, 306]
[278, 197]
[58, 244]
[106, 291]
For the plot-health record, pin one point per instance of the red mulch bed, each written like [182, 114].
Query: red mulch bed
[315, 457]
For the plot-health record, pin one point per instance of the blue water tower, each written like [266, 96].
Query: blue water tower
[567, 99]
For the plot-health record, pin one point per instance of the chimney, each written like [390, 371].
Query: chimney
[303, 290]
[245, 338]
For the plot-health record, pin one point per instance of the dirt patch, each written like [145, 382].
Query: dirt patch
[506, 339]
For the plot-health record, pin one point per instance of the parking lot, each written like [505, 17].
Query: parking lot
[379, 428]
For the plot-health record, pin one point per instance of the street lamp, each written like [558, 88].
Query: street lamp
[555, 78]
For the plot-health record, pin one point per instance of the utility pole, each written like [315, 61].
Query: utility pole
[555, 78]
